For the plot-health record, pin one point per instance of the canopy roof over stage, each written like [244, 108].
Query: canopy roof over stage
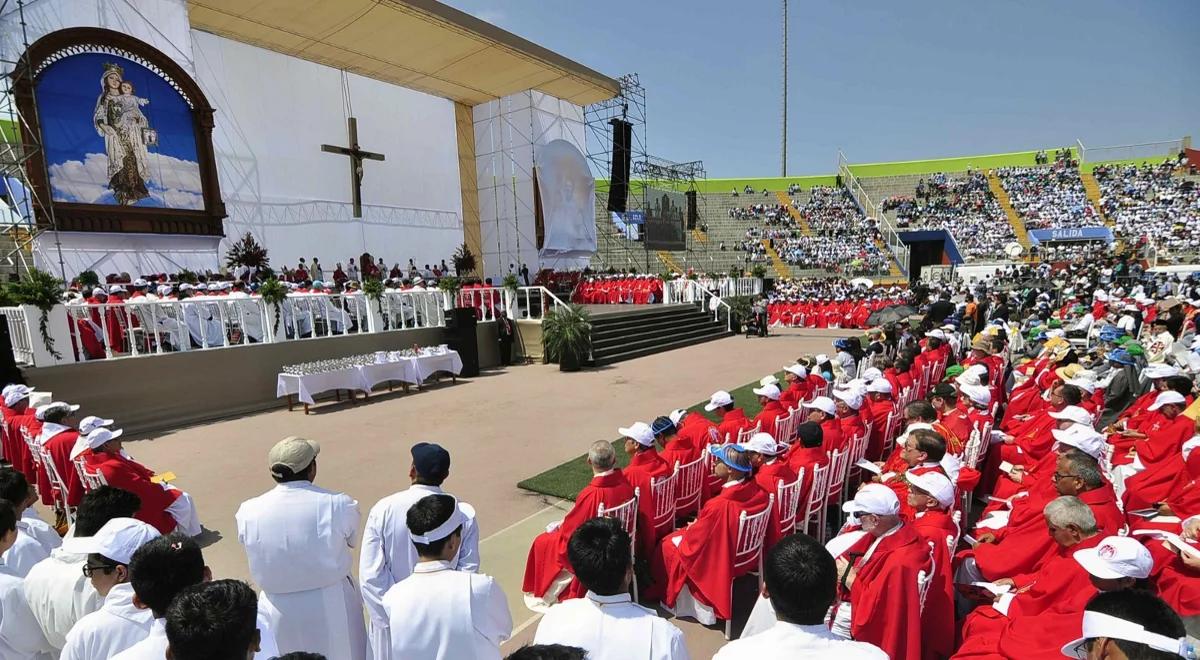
[419, 44]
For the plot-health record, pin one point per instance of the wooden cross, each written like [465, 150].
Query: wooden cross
[357, 156]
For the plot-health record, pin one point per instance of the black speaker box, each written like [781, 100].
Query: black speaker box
[618, 180]
[460, 334]
[691, 209]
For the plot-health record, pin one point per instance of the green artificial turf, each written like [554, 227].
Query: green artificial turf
[568, 479]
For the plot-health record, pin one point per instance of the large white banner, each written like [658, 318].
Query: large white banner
[568, 194]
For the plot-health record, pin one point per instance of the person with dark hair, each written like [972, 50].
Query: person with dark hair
[606, 622]
[58, 438]
[159, 570]
[20, 636]
[298, 539]
[118, 624]
[548, 652]
[36, 539]
[58, 593]
[299, 655]
[388, 555]
[693, 567]
[213, 621]
[439, 612]
[806, 454]
[1128, 625]
[823, 411]
[799, 586]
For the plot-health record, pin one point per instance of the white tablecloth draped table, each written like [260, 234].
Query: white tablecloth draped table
[413, 370]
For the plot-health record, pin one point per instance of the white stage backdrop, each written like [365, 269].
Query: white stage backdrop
[568, 193]
[135, 254]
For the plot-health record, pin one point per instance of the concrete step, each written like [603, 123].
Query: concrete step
[716, 333]
[642, 332]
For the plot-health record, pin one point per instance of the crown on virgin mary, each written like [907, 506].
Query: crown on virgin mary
[112, 67]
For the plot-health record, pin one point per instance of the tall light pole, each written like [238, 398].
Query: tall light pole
[783, 144]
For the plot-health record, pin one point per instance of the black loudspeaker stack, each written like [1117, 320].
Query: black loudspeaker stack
[691, 209]
[460, 334]
[618, 180]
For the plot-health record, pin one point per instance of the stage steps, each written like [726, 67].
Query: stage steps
[637, 333]
[1001, 194]
[1092, 188]
[782, 269]
[669, 262]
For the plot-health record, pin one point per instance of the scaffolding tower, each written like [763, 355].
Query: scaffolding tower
[614, 249]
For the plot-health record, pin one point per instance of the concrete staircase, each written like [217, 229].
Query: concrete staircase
[1092, 188]
[794, 212]
[668, 261]
[1018, 225]
[699, 236]
[894, 271]
[782, 269]
[641, 332]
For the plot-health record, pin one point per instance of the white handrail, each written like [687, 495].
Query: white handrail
[685, 291]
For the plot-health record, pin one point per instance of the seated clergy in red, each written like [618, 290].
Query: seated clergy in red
[1071, 524]
[931, 497]
[880, 407]
[1159, 459]
[878, 590]
[16, 408]
[733, 419]
[847, 403]
[1023, 543]
[58, 438]
[1117, 563]
[822, 410]
[696, 429]
[805, 455]
[768, 397]
[164, 507]
[1176, 575]
[547, 570]
[645, 467]
[798, 386]
[693, 568]
[770, 472]
[944, 399]
[675, 450]
[1183, 500]
[922, 452]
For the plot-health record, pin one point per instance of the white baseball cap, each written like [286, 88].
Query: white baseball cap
[797, 369]
[1075, 414]
[1082, 437]
[677, 415]
[639, 432]
[977, 393]
[94, 439]
[880, 386]
[821, 357]
[935, 483]
[1160, 371]
[1164, 398]
[14, 393]
[718, 399]
[118, 539]
[761, 443]
[92, 422]
[1086, 384]
[822, 403]
[871, 373]
[769, 391]
[1116, 557]
[768, 380]
[40, 411]
[852, 398]
[874, 498]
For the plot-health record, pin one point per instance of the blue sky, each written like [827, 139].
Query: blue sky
[879, 79]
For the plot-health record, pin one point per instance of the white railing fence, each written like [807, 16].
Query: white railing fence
[1162, 149]
[20, 332]
[887, 227]
[733, 286]
[685, 291]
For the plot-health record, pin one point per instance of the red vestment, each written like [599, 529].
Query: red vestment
[767, 416]
[831, 435]
[883, 597]
[59, 447]
[768, 476]
[1176, 583]
[937, 620]
[703, 559]
[731, 424]
[1160, 454]
[644, 466]
[807, 459]
[128, 474]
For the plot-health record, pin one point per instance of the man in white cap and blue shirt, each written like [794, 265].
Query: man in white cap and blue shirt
[299, 540]
[440, 612]
[388, 555]
[118, 624]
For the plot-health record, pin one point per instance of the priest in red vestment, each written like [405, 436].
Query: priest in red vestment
[733, 419]
[696, 429]
[163, 507]
[822, 410]
[694, 567]
[547, 570]
[1159, 453]
[931, 497]
[675, 451]
[880, 407]
[798, 386]
[879, 577]
[16, 410]
[847, 403]
[770, 473]
[59, 439]
[645, 467]
[768, 398]
[1176, 576]
[805, 455]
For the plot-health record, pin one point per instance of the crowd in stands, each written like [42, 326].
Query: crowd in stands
[1148, 203]
[1049, 197]
[964, 206]
[770, 214]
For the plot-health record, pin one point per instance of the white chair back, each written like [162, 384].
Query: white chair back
[788, 501]
[57, 484]
[752, 531]
[818, 493]
[925, 578]
[785, 427]
[662, 490]
[744, 434]
[626, 512]
[689, 481]
[91, 480]
[838, 468]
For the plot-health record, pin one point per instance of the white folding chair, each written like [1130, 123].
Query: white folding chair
[662, 490]
[57, 484]
[744, 434]
[752, 531]
[858, 451]
[788, 503]
[626, 512]
[689, 481]
[91, 480]
[839, 465]
[817, 496]
[785, 427]
[925, 579]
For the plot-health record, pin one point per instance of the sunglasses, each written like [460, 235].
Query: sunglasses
[89, 569]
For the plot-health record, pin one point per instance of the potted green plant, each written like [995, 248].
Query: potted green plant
[739, 311]
[736, 271]
[88, 280]
[372, 288]
[567, 336]
[449, 285]
[42, 291]
[273, 294]
[758, 270]
[510, 285]
[247, 252]
[464, 261]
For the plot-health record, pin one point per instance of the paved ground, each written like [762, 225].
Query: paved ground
[499, 428]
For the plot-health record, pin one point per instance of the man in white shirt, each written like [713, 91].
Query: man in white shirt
[606, 622]
[159, 570]
[439, 613]
[35, 538]
[799, 582]
[57, 592]
[20, 637]
[118, 624]
[298, 540]
[388, 555]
